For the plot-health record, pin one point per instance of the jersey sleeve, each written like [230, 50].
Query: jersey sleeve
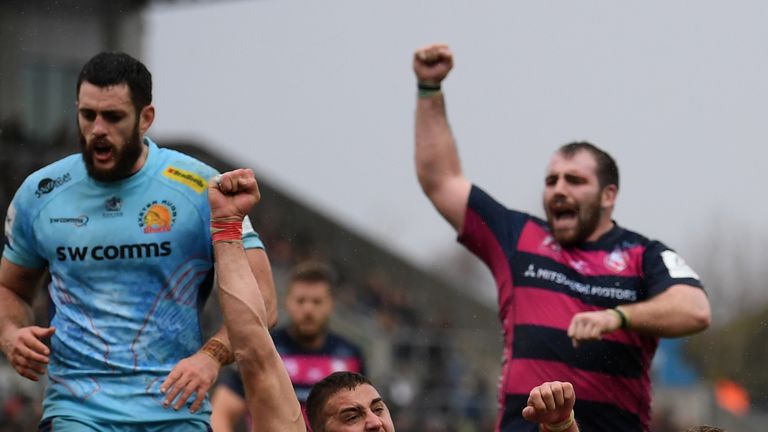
[251, 239]
[663, 267]
[490, 228]
[20, 244]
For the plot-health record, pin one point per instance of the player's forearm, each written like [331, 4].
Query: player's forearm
[681, 311]
[262, 271]
[437, 158]
[245, 316]
[15, 312]
[269, 391]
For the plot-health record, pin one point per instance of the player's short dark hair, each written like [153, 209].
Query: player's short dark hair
[114, 68]
[607, 170]
[324, 389]
[704, 428]
[312, 272]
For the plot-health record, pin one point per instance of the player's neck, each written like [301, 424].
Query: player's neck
[606, 224]
[142, 159]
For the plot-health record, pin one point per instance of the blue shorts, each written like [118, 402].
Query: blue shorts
[70, 424]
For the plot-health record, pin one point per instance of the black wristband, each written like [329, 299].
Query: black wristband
[429, 87]
[623, 317]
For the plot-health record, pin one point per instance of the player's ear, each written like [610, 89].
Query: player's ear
[146, 117]
[608, 196]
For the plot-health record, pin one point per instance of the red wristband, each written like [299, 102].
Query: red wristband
[227, 230]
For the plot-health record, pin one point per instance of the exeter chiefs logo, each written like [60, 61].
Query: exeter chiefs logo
[157, 217]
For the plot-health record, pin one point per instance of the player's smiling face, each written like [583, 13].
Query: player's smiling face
[573, 200]
[358, 410]
[110, 131]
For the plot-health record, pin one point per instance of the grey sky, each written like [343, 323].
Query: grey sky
[319, 97]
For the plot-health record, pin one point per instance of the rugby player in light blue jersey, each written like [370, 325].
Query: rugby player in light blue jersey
[124, 231]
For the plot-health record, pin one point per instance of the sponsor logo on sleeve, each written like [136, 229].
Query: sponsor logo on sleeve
[113, 207]
[47, 184]
[78, 221]
[157, 217]
[676, 266]
[187, 178]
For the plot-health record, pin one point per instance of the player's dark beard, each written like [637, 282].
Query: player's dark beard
[125, 158]
[588, 218]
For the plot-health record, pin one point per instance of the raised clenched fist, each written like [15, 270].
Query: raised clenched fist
[233, 194]
[432, 63]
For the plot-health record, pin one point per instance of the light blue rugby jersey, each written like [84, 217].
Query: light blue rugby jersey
[131, 266]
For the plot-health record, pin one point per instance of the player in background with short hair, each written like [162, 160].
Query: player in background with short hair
[124, 230]
[581, 299]
[341, 402]
[309, 349]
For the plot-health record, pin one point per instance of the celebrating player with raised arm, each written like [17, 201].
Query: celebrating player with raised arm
[269, 393]
[581, 298]
[123, 230]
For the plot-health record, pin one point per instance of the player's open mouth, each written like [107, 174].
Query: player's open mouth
[563, 215]
[102, 152]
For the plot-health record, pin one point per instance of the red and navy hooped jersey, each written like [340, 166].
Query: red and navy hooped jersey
[542, 285]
